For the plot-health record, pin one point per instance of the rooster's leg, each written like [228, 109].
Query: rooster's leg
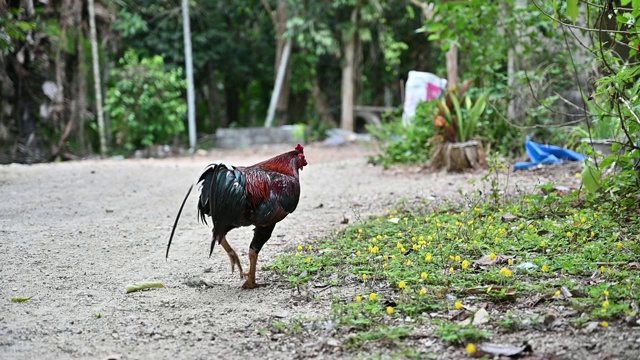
[251, 275]
[260, 237]
[233, 257]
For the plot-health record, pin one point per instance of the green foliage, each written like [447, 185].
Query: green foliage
[410, 263]
[13, 30]
[458, 334]
[406, 145]
[614, 106]
[466, 114]
[145, 102]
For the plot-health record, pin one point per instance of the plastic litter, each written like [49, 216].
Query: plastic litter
[547, 154]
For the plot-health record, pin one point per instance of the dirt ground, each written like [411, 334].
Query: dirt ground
[73, 235]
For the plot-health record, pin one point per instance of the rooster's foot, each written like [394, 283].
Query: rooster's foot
[235, 261]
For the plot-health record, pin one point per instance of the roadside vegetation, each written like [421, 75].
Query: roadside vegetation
[480, 267]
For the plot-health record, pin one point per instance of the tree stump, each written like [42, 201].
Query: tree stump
[456, 157]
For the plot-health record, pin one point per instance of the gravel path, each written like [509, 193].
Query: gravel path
[73, 235]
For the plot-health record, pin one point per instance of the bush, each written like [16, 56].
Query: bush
[145, 102]
[406, 145]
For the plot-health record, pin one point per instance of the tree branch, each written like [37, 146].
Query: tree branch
[267, 7]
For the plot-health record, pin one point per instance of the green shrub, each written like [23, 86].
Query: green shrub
[406, 145]
[145, 102]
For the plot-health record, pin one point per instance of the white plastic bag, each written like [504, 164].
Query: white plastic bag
[421, 86]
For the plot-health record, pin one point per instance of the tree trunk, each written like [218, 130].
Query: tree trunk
[347, 122]
[452, 67]
[96, 77]
[188, 59]
[320, 103]
[347, 88]
[81, 84]
[281, 27]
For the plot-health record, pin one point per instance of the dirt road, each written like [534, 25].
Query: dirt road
[73, 235]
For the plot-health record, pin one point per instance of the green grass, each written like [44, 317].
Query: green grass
[412, 263]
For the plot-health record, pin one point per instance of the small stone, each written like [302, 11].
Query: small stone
[333, 342]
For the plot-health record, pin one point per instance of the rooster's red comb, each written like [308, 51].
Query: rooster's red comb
[300, 148]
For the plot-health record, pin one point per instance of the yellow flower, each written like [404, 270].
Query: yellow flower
[530, 226]
[360, 231]
[543, 243]
[451, 271]
[606, 293]
[465, 264]
[457, 258]
[506, 272]
[409, 263]
[399, 245]
[558, 293]
[569, 234]
[583, 220]
[400, 234]
[471, 348]
[372, 297]
[428, 257]
[492, 256]
[308, 260]
[510, 261]
[476, 209]
[462, 213]
[358, 253]
[430, 238]
[299, 247]
[451, 258]
[390, 310]
[416, 247]
[545, 268]
[603, 310]
[414, 239]
[603, 269]
[385, 265]
[365, 277]
[620, 245]
[604, 324]
[578, 175]
[297, 253]
[593, 234]
[309, 247]
[424, 275]
[458, 305]
[402, 285]
[423, 291]
[358, 298]
[605, 303]
[490, 227]
[379, 237]
[521, 226]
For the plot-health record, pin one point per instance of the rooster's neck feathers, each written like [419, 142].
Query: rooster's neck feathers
[284, 164]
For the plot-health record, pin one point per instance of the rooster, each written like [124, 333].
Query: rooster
[260, 195]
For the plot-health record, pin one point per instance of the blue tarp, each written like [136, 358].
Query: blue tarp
[547, 154]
